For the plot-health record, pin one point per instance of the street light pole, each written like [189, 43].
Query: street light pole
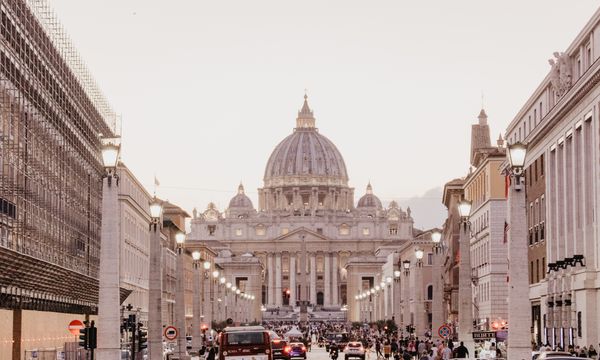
[109, 302]
[197, 304]
[419, 305]
[519, 311]
[465, 291]
[155, 328]
[405, 292]
[437, 311]
[180, 298]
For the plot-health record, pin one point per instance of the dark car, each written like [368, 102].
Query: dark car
[295, 350]
[278, 346]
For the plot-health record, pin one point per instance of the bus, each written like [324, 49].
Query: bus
[245, 343]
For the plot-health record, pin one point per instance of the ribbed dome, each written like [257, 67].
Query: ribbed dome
[306, 155]
[369, 200]
[240, 200]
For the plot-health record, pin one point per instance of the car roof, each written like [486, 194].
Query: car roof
[243, 328]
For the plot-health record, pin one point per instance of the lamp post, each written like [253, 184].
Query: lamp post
[465, 291]
[197, 304]
[180, 298]
[405, 292]
[206, 306]
[155, 329]
[213, 293]
[109, 303]
[519, 311]
[437, 310]
[419, 304]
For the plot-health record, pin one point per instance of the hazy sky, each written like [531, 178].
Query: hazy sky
[207, 89]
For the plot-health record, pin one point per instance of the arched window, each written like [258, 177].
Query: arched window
[430, 292]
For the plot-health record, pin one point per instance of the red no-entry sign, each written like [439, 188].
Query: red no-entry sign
[171, 332]
[75, 326]
[444, 331]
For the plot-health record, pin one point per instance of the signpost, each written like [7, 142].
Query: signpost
[75, 326]
[484, 335]
[444, 331]
[171, 333]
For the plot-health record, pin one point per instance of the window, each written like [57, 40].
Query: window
[429, 259]
[320, 231]
[366, 231]
[393, 230]
[344, 229]
[260, 230]
[542, 165]
[212, 229]
[430, 292]
[238, 232]
[537, 270]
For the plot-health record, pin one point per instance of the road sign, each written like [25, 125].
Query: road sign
[444, 331]
[171, 332]
[75, 326]
[484, 335]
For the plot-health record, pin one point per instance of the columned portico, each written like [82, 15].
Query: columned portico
[313, 279]
[292, 277]
[327, 279]
[277, 289]
[271, 280]
[335, 297]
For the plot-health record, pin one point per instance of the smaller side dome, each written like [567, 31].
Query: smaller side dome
[369, 200]
[240, 200]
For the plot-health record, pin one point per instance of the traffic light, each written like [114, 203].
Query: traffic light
[83, 337]
[142, 337]
[92, 332]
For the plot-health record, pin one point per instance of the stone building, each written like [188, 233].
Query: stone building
[305, 202]
[485, 188]
[559, 123]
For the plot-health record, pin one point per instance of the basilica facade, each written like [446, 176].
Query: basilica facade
[307, 240]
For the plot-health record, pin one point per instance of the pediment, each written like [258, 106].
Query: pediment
[297, 234]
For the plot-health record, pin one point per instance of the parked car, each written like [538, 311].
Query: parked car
[278, 346]
[354, 349]
[295, 350]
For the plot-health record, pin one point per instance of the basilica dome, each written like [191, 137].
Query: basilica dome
[369, 200]
[305, 157]
[240, 200]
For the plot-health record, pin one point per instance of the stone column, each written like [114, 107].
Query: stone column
[109, 304]
[292, 278]
[207, 303]
[420, 326]
[327, 280]
[277, 290]
[197, 308]
[180, 305]
[437, 306]
[155, 325]
[335, 297]
[405, 300]
[271, 280]
[465, 292]
[313, 279]
[519, 308]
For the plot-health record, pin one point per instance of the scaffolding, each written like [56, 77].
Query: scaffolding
[51, 115]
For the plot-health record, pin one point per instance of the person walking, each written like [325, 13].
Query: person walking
[461, 351]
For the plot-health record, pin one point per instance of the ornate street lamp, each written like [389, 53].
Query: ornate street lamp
[436, 238]
[406, 267]
[109, 303]
[180, 297]
[519, 311]
[419, 253]
[465, 292]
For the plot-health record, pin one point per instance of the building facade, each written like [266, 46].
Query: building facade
[485, 188]
[51, 113]
[134, 208]
[306, 232]
[559, 123]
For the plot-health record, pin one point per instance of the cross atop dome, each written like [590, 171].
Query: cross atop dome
[305, 119]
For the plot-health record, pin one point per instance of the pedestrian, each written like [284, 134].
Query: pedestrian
[211, 353]
[592, 352]
[462, 352]
[378, 348]
[387, 350]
